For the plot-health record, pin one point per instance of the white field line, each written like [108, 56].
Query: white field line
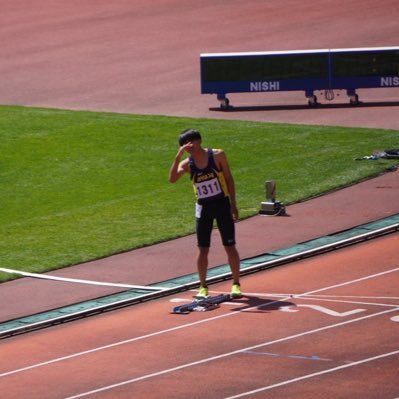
[74, 280]
[224, 355]
[307, 376]
[188, 325]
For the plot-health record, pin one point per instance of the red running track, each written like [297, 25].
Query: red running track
[335, 337]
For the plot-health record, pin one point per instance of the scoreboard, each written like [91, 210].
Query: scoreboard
[307, 70]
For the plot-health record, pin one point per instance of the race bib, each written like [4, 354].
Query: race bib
[208, 188]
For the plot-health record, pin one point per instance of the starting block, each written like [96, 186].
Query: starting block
[202, 304]
[271, 206]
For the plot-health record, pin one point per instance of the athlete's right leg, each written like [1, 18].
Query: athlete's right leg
[234, 262]
[204, 224]
[202, 265]
[227, 231]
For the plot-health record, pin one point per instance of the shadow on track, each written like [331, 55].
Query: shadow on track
[259, 305]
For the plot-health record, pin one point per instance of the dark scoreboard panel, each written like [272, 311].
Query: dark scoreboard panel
[306, 70]
[260, 67]
[365, 63]
[267, 71]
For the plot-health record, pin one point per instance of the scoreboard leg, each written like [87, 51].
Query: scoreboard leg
[312, 99]
[353, 97]
[224, 101]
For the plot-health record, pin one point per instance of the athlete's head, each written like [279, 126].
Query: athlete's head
[189, 135]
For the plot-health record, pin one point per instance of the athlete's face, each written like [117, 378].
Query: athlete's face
[192, 146]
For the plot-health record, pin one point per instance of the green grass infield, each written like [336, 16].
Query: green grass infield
[78, 186]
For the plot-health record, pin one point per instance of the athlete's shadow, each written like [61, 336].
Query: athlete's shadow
[255, 304]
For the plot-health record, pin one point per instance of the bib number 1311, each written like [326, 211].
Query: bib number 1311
[208, 188]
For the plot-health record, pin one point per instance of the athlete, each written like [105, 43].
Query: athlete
[216, 200]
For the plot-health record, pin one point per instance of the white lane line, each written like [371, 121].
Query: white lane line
[154, 334]
[316, 296]
[354, 297]
[305, 377]
[79, 281]
[309, 293]
[113, 345]
[322, 299]
[224, 355]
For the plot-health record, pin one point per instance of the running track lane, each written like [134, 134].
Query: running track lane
[337, 336]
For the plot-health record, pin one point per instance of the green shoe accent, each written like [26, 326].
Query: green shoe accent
[236, 291]
[202, 293]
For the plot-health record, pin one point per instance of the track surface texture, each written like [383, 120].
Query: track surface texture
[332, 333]
[334, 337]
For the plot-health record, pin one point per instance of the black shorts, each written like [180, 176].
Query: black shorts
[219, 210]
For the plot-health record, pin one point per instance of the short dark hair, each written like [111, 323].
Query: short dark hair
[189, 135]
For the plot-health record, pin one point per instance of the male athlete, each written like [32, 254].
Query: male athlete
[215, 191]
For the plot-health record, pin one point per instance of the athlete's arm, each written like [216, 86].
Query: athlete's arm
[223, 164]
[179, 167]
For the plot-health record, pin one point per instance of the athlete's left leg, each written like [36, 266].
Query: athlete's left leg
[226, 227]
[234, 262]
